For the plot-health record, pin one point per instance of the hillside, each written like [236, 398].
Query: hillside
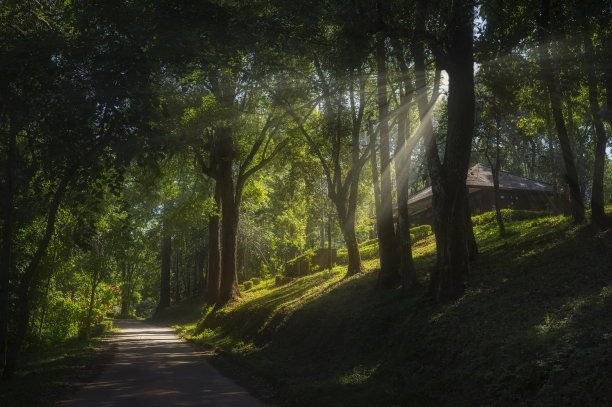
[534, 328]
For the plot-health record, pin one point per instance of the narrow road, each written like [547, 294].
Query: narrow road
[152, 367]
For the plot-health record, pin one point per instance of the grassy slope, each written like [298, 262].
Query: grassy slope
[534, 328]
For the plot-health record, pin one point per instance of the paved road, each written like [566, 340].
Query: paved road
[152, 367]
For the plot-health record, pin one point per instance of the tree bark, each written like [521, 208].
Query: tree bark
[402, 171]
[554, 92]
[495, 171]
[347, 222]
[434, 166]
[375, 180]
[230, 207]
[389, 274]
[214, 251]
[448, 283]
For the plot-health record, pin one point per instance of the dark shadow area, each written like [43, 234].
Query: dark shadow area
[533, 329]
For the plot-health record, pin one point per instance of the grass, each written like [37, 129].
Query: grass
[534, 328]
[49, 371]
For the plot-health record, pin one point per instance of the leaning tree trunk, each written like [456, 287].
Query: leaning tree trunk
[554, 92]
[23, 291]
[389, 275]
[214, 252]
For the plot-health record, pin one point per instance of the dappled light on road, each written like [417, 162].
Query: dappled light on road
[153, 368]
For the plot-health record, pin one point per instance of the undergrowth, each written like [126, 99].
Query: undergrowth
[534, 328]
[47, 371]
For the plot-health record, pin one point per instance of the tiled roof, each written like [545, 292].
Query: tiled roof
[480, 177]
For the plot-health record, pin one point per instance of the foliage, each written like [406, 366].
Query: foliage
[509, 215]
[420, 232]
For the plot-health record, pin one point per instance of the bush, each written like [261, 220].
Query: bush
[301, 265]
[366, 253]
[247, 285]
[282, 280]
[420, 232]
[368, 242]
[256, 280]
[146, 308]
[509, 215]
[62, 320]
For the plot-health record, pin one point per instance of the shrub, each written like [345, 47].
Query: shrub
[301, 265]
[420, 232]
[368, 242]
[247, 285]
[146, 308]
[366, 253]
[509, 215]
[282, 280]
[256, 280]
[62, 318]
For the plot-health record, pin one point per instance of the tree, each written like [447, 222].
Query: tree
[549, 77]
[450, 204]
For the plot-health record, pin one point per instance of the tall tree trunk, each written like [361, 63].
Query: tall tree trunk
[448, 284]
[230, 208]
[92, 296]
[554, 92]
[389, 275]
[402, 172]
[214, 252]
[498, 215]
[229, 242]
[23, 291]
[375, 180]
[597, 198]
[166, 255]
[434, 166]
[495, 167]
[7, 241]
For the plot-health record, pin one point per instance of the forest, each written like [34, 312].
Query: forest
[158, 154]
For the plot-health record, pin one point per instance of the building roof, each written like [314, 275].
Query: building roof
[480, 177]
